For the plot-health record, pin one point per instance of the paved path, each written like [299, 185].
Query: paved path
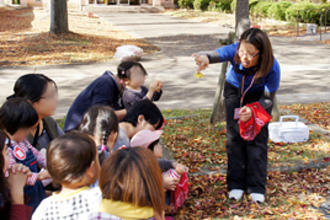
[305, 65]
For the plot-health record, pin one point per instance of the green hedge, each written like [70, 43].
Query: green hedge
[252, 3]
[323, 8]
[282, 10]
[307, 12]
[212, 6]
[233, 6]
[224, 5]
[261, 9]
[186, 3]
[277, 10]
[220, 5]
[201, 4]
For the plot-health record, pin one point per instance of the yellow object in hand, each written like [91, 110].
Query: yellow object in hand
[198, 75]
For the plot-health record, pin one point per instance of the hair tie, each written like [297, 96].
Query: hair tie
[103, 147]
[164, 122]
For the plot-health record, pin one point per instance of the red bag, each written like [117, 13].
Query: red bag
[250, 129]
[181, 192]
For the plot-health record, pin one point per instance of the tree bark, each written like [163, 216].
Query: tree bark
[58, 17]
[242, 20]
[242, 23]
[218, 112]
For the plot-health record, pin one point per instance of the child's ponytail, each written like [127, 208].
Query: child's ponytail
[124, 67]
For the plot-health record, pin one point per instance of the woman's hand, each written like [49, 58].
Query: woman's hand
[245, 114]
[202, 61]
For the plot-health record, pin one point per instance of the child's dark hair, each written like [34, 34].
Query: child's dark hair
[148, 109]
[17, 113]
[31, 86]
[153, 144]
[69, 156]
[99, 121]
[123, 70]
[5, 198]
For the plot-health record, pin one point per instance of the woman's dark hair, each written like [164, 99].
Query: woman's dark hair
[133, 175]
[99, 121]
[31, 86]
[148, 109]
[123, 70]
[5, 199]
[17, 113]
[153, 144]
[69, 156]
[260, 40]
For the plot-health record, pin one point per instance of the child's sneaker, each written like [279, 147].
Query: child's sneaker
[236, 194]
[257, 197]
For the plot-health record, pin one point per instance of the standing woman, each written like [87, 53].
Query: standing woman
[254, 76]
[42, 92]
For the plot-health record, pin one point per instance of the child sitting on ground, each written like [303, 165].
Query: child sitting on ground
[175, 177]
[150, 140]
[131, 186]
[134, 75]
[72, 161]
[143, 115]
[17, 118]
[101, 123]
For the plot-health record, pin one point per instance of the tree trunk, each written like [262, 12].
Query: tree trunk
[275, 110]
[242, 20]
[242, 23]
[218, 112]
[58, 17]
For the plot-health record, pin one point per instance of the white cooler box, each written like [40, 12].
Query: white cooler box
[288, 131]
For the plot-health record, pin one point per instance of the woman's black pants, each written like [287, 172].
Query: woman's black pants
[247, 160]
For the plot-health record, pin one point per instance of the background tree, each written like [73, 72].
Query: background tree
[242, 20]
[58, 17]
[242, 23]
